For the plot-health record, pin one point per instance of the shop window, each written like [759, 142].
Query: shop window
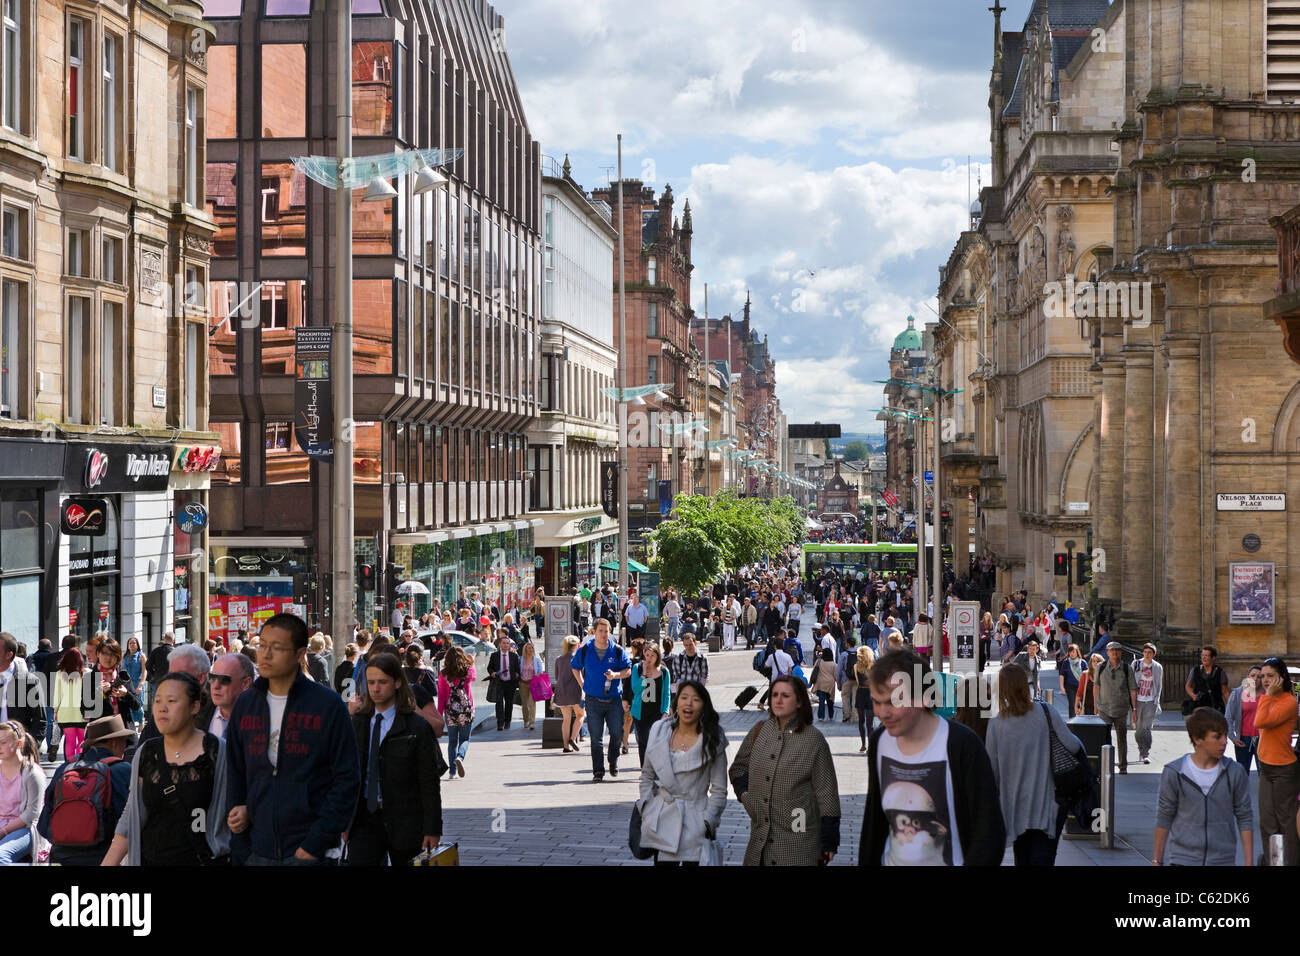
[284, 90]
[283, 210]
[222, 90]
[230, 469]
[372, 88]
[286, 462]
[20, 530]
[221, 199]
[372, 320]
[367, 453]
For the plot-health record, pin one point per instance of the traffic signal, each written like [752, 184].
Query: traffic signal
[1083, 567]
[366, 577]
[1061, 564]
[393, 577]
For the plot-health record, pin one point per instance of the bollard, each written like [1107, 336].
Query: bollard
[1276, 850]
[1107, 833]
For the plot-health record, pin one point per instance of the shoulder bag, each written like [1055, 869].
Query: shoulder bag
[1071, 772]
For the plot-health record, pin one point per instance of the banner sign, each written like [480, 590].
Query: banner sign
[114, 466]
[88, 516]
[665, 496]
[609, 488]
[313, 395]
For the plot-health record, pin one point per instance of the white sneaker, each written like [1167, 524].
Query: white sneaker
[1146, 759]
[460, 767]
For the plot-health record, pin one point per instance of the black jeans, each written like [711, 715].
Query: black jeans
[659, 862]
[649, 716]
[1035, 848]
[506, 701]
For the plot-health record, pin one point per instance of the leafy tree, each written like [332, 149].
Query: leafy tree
[856, 451]
[687, 558]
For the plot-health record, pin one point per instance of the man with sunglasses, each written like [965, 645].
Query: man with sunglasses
[232, 674]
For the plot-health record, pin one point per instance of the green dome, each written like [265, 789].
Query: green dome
[909, 339]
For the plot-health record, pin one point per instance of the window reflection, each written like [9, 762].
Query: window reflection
[372, 226]
[223, 327]
[222, 8]
[282, 210]
[284, 90]
[372, 326]
[372, 88]
[229, 470]
[281, 307]
[366, 453]
[222, 91]
[221, 201]
[286, 462]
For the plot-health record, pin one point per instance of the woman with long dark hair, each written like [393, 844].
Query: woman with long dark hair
[399, 810]
[1279, 773]
[67, 701]
[785, 780]
[684, 780]
[650, 693]
[456, 704]
[634, 651]
[177, 779]
[113, 683]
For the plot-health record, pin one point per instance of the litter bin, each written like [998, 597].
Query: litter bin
[1093, 733]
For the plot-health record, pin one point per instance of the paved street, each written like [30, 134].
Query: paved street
[521, 804]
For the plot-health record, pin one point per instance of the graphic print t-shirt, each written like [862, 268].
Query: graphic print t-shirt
[1146, 681]
[916, 795]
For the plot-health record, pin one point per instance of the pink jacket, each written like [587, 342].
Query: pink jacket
[444, 690]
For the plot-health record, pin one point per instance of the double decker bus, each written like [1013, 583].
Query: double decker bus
[882, 557]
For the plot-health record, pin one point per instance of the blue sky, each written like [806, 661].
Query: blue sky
[822, 143]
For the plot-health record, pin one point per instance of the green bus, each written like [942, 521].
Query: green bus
[885, 556]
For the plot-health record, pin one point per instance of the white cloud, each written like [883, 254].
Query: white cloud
[842, 399]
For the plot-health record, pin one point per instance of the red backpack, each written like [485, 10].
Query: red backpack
[82, 799]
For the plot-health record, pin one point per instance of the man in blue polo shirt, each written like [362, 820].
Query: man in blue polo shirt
[635, 614]
[601, 666]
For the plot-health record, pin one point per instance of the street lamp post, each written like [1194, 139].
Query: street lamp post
[343, 593]
[622, 384]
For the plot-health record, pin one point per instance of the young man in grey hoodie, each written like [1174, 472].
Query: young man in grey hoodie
[1201, 796]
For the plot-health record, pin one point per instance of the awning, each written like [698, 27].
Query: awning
[813, 525]
[632, 564]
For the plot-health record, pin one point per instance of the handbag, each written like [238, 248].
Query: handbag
[1071, 772]
[494, 690]
[634, 835]
[540, 687]
[711, 852]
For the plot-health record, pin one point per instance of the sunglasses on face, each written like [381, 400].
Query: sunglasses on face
[220, 678]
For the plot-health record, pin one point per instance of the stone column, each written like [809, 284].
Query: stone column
[1182, 478]
[1136, 617]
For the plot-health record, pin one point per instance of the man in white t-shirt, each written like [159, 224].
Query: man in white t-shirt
[779, 662]
[931, 796]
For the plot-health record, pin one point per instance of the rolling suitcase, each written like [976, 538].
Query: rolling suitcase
[746, 695]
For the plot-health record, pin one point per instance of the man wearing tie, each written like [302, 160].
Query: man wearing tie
[399, 811]
[504, 666]
[231, 675]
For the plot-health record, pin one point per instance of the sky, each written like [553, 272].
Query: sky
[822, 144]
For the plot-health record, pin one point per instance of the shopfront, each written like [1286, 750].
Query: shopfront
[30, 472]
[249, 581]
[115, 520]
[497, 564]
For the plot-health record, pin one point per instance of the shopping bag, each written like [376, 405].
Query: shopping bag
[540, 687]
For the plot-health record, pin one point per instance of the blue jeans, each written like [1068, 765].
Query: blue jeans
[674, 627]
[825, 705]
[51, 735]
[604, 714]
[457, 743]
[1244, 754]
[15, 846]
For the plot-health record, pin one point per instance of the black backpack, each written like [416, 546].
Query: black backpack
[156, 664]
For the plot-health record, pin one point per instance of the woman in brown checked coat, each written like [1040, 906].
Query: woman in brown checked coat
[785, 780]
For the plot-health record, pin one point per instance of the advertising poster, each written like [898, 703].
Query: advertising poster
[263, 609]
[1250, 592]
[216, 618]
[236, 614]
[313, 398]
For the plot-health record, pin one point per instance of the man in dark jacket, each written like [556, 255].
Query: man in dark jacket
[105, 741]
[910, 818]
[294, 776]
[504, 666]
[155, 666]
[20, 691]
[400, 810]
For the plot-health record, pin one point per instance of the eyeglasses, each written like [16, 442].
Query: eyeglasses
[274, 649]
[220, 678]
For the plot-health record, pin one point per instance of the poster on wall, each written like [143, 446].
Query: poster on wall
[313, 397]
[216, 618]
[1250, 592]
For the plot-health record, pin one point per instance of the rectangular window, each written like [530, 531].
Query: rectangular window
[652, 271]
[222, 92]
[195, 295]
[546, 383]
[78, 263]
[193, 375]
[192, 146]
[12, 96]
[110, 376]
[112, 260]
[110, 109]
[1281, 52]
[10, 331]
[284, 91]
[220, 198]
[652, 480]
[77, 30]
[281, 309]
[372, 317]
[283, 210]
[652, 370]
[652, 319]
[372, 88]
[80, 341]
[14, 225]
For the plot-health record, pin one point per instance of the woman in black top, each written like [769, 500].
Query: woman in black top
[175, 814]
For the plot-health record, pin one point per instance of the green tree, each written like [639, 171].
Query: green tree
[856, 451]
[687, 558]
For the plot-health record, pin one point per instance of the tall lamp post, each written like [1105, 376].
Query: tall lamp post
[343, 173]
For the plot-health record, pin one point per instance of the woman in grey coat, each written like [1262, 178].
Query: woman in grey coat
[1019, 746]
[785, 780]
[684, 780]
